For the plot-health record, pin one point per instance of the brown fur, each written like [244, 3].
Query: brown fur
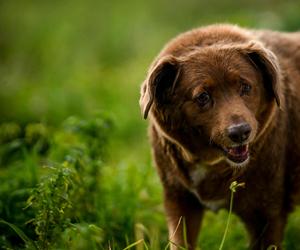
[187, 139]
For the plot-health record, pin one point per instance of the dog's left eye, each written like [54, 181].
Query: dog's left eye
[203, 98]
[245, 89]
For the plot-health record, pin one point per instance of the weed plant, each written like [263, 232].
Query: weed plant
[61, 199]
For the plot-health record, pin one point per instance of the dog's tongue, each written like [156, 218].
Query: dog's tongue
[238, 151]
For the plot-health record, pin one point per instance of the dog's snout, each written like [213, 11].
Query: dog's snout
[239, 133]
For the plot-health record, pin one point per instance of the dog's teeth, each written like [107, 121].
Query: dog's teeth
[237, 151]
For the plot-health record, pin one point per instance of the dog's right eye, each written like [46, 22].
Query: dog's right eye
[245, 89]
[203, 99]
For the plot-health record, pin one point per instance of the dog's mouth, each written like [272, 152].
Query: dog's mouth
[237, 154]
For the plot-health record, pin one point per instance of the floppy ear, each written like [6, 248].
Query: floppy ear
[264, 60]
[160, 83]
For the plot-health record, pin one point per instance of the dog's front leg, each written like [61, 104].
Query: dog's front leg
[183, 211]
[266, 232]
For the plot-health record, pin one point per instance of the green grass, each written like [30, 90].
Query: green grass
[68, 179]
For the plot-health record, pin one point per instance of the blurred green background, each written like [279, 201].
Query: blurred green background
[60, 58]
[77, 58]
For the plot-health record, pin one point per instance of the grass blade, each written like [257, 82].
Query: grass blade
[178, 246]
[185, 234]
[167, 246]
[145, 245]
[134, 244]
[20, 233]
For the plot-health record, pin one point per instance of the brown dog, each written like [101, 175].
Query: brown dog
[224, 106]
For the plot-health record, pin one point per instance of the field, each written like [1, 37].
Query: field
[75, 163]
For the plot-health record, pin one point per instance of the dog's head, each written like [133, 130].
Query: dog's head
[213, 101]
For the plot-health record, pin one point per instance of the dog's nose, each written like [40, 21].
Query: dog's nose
[239, 133]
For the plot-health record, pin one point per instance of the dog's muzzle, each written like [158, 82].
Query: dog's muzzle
[238, 154]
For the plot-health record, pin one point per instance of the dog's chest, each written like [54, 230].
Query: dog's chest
[208, 188]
